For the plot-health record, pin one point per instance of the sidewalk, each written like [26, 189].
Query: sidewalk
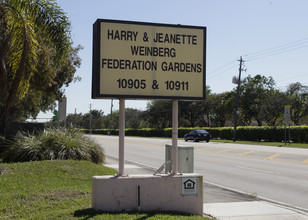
[224, 204]
[256, 210]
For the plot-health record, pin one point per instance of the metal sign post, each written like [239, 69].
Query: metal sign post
[175, 110]
[121, 136]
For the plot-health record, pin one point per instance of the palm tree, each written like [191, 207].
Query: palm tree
[23, 25]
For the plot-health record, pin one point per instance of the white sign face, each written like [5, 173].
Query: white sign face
[146, 60]
[189, 186]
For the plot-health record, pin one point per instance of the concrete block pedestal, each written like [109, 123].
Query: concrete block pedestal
[145, 193]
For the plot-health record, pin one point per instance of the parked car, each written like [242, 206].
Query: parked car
[198, 135]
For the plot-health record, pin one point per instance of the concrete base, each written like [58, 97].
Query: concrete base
[147, 193]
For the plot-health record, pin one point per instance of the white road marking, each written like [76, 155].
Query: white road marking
[257, 170]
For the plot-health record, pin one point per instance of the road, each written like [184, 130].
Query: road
[274, 173]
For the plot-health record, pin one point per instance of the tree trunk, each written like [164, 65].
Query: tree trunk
[16, 81]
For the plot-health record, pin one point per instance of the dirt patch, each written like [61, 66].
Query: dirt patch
[4, 170]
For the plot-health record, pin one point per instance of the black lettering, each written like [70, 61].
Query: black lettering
[122, 35]
[199, 67]
[134, 50]
[176, 67]
[109, 63]
[166, 39]
[194, 68]
[104, 62]
[183, 37]
[188, 68]
[182, 67]
[172, 39]
[170, 67]
[127, 64]
[175, 38]
[142, 51]
[194, 40]
[129, 35]
[164, 66]
[134, 66]
[153, 51]
[110, 34]
[135, 35]
[116, 35]
[172, 52]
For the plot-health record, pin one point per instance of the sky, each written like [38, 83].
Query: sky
[270, 35]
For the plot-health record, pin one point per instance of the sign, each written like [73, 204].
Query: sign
[287, 114]
[148, 60]
[189, 186]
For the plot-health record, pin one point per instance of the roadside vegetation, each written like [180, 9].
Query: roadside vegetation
[265, 134]
[58, 189]
[52, 145]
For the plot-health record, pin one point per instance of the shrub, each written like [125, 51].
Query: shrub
[299, 134]
[52, 145]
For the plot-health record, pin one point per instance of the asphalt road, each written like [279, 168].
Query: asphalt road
[277, 174]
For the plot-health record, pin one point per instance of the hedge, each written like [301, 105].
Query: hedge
[299, 134]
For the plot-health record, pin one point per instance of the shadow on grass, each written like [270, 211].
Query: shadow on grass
[90, 213]
[86, 213]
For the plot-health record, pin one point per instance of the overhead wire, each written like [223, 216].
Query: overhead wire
[284, 48]
[222, 69]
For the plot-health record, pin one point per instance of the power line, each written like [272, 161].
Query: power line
[284, 48]
[222, 69]
[304, 40]
[224, 65]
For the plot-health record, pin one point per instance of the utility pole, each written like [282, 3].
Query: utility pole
[237, 98]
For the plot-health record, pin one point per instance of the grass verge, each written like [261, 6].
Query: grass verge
[58, 189]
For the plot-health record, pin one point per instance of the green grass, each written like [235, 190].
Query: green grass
[57, 189]
[277, 144]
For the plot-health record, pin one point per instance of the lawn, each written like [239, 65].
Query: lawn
[58, 189]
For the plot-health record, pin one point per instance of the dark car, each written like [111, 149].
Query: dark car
[198, 135]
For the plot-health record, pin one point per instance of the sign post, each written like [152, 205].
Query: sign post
[121, 136]
[175, 110]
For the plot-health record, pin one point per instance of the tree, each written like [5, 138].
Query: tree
[74, 120]
[96, 117]
[298, 99]
[274, 103]
[221, 108]
[133, 117]
[253, 93]
[159, 113]
[35, 51]
[191, 111]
